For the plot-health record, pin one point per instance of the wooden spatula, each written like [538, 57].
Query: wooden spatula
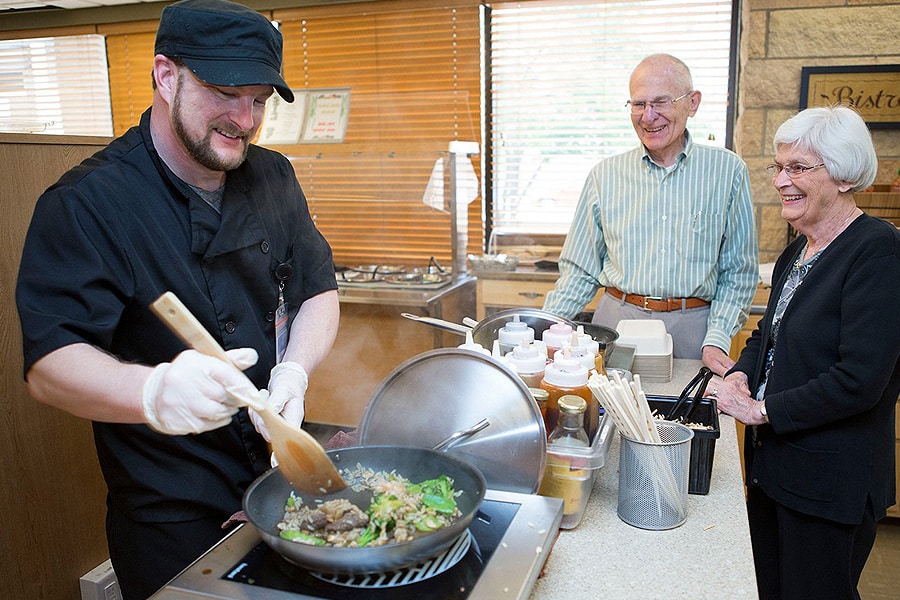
[301, 459]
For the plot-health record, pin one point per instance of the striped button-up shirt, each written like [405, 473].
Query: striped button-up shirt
[683, 232]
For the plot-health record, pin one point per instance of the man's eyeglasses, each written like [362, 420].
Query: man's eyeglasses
[661, 105]
[792, 170]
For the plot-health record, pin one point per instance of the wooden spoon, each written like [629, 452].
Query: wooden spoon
[301, 459]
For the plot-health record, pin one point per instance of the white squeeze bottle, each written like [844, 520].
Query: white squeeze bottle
[471, 345]
[512, 333]
[582, 348]
[592, 345]
[528, 362]
[556, 336]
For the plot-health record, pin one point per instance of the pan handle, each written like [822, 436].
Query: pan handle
[462, 434]
[439, 323]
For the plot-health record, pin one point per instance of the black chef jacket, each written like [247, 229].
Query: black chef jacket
[119, 230]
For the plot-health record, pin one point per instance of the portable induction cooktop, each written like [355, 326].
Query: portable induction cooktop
[500, 555]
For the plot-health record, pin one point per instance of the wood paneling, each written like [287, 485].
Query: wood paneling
[53, 496]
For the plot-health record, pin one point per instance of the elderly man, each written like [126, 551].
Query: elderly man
[184, 203]
[666, 228]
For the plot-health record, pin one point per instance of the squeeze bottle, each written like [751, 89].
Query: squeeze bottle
[567, 375]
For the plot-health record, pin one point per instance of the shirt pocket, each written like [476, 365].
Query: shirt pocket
[698, 236]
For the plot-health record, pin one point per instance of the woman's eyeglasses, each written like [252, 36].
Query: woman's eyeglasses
[792, 170]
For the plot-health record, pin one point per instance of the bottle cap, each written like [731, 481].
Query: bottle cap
[580, 354]
[540, 395]
[471, 345]
[527, 358]
[587, 341]
[557, 335]
[570, 403]
[566, 371]
[515, 331]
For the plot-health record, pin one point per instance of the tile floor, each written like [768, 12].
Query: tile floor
[881, 578]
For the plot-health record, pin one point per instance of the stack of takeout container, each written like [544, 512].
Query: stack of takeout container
[653, 348]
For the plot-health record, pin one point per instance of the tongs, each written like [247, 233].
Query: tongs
[692, 392]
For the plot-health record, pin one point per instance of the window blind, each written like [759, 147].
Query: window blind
[56, 85]
[130, 50]
[414, 74]
[558, 108]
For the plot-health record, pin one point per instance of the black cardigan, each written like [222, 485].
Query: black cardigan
[835, 378]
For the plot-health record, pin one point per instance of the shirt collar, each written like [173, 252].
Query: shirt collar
[237, 227]
[685, 152]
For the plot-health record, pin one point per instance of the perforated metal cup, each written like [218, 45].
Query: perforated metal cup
[653, 478]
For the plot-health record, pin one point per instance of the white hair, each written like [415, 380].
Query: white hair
[839, 136]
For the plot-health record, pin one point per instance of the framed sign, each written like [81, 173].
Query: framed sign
[316, 116]
[874, 90]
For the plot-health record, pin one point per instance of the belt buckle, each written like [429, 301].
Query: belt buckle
[648, 299]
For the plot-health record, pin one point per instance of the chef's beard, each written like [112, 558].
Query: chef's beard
[201, 149]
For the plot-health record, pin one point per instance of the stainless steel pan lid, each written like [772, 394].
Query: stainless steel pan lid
[439, 392]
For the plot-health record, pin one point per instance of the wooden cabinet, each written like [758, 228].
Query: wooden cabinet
[522, 288]
[758, 306]
[497, 294]
[894, 511]
[48, 455]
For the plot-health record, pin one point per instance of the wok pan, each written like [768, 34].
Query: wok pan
[265, 499]
[484, 332]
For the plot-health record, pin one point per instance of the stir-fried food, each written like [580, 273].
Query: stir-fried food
[399, 511]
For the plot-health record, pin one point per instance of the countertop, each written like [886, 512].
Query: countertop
[521, 273]
[709, 556]
[401, 296]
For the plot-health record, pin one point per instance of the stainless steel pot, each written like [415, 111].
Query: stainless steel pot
[484, 332]
[264, 503]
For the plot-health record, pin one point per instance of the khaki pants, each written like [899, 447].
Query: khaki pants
[688, 327]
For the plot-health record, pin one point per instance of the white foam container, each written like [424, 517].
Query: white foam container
[648, 336]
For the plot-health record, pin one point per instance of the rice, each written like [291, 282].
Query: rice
[397, 514]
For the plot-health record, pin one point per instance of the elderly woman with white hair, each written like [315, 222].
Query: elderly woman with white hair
[818, 381]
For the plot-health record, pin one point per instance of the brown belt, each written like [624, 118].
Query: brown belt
[657, 304]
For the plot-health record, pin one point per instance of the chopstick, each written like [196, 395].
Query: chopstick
[627, 405]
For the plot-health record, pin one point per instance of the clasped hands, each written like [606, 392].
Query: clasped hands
[733, 398]
[196, 393]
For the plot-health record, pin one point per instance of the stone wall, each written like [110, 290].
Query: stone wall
[779, 38]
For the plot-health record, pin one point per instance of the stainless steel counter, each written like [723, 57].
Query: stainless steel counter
[708, 557]
[423, 297]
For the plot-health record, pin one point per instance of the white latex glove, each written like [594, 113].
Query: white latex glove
[189, 395]
[287, 388]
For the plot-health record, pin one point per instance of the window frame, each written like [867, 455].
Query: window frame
[489, 127]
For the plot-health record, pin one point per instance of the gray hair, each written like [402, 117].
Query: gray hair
[837, 134]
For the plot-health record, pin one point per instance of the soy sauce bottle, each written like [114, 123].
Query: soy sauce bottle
[570, 427]
[564, 477]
